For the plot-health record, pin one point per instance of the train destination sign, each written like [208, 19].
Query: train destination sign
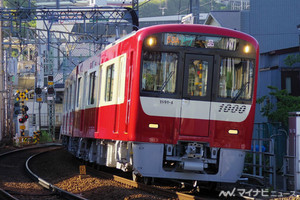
[200, 41]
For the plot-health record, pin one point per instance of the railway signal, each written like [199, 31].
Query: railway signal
[25, 116]
[38, 90]
[24, 109]
[17, 108]
[50, 90]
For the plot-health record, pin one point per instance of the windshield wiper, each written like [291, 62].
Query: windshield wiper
[166, 81]
[241, 90]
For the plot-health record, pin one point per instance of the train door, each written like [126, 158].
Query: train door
[70, 108]
[196, 101]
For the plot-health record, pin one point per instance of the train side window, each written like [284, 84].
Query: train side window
[109, 82]
[67, 99]
[78, 99]
[84, 92]
[92, 88]
[70, 97]
[121, 79]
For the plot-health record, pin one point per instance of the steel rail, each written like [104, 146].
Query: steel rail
[48, 185]
[147, 188]
[6, 195]
[29, 148]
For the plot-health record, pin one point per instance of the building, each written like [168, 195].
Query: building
[228, 19]
[173, 19]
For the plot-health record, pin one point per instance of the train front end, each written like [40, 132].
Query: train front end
[197, 93]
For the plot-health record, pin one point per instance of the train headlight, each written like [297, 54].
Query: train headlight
[151, 41]
[153, 126]
[247, 49]
[233, 132]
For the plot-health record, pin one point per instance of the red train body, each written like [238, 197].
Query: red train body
[169, 101]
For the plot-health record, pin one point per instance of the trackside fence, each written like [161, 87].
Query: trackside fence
[34, 120]
[265, 161]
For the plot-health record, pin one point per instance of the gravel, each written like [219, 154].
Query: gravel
[62, 169]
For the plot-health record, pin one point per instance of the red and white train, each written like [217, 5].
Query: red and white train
[167, 101]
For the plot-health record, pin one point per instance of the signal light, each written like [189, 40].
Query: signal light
[25, 108]
[24, 118]
[50, 78]
[38, 90]
[50, 90]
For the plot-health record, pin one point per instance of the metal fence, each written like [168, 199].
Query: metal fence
[266, 159]
[34, 120]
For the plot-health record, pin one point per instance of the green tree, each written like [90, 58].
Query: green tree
[277, 104]
[18, 3]
[290, 60]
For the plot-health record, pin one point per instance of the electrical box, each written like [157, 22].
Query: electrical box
[294, 147]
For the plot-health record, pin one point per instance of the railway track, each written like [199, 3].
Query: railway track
[15, 182]
[96, 184]
[58, 172]
[170, 194]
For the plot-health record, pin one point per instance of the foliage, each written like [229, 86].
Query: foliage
[45, 137]
[14, 53]
[18, 3]
[278, 111]
[290, 60]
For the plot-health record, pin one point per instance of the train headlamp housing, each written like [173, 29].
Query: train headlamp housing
[151, 41]
[247, 49]
[233, 132]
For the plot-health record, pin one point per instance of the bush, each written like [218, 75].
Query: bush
[45, 137]
[278, 109]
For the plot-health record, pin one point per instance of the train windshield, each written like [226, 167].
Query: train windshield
[197, 68]
[159, 72]
[236, 78]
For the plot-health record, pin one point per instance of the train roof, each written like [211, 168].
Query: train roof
[181, 28]
[189, 28]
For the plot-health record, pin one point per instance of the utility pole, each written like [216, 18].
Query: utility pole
[135, 6]
[194, 9]
[163, 7]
